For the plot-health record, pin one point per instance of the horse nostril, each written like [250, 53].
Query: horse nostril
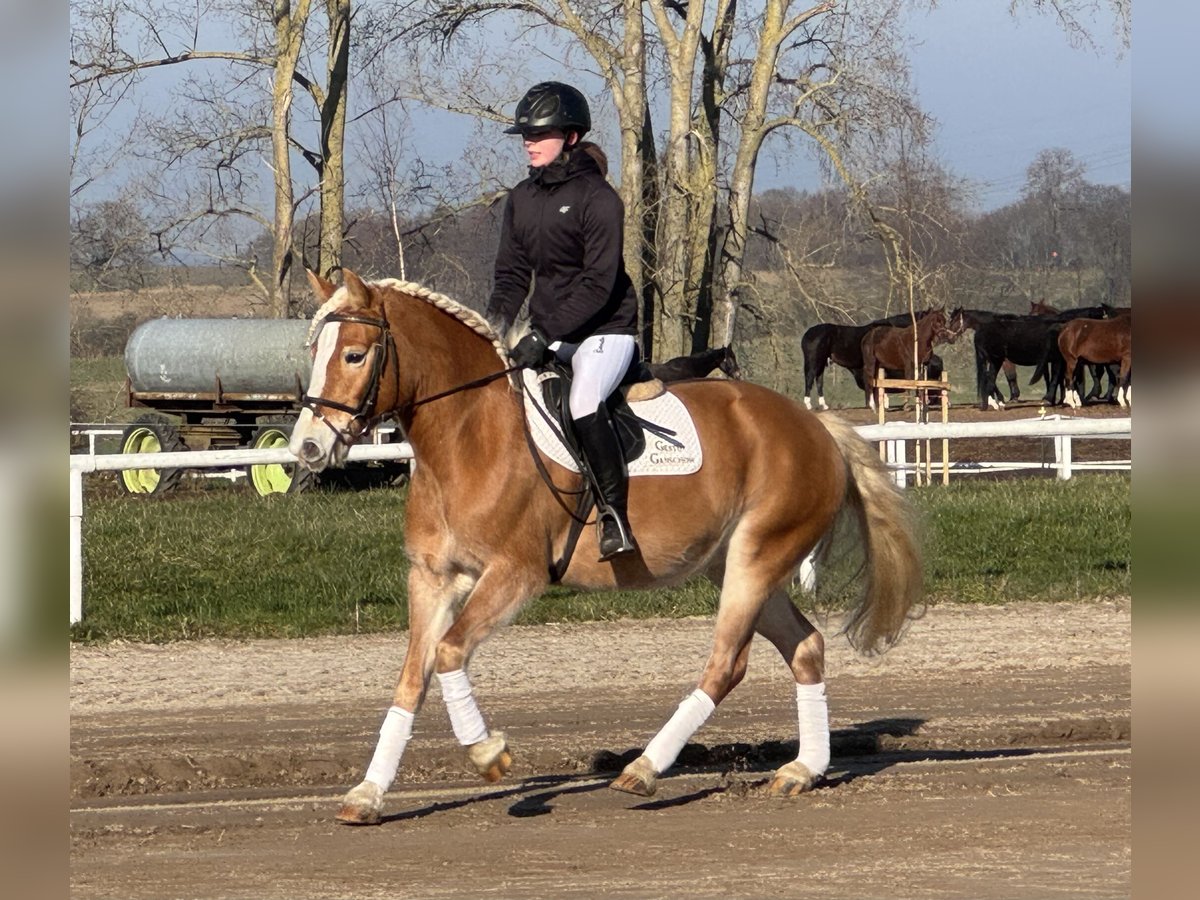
[310, 451]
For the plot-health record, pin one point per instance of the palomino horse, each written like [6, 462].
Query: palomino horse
[698, 365]
[484, 527]
[1101, 342]
[891, 347]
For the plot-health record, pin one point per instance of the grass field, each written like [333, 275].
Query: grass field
[215, 561]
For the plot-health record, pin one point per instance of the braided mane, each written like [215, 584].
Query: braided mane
[469, 317]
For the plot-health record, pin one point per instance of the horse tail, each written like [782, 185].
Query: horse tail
[1040, 372]
[894, 579]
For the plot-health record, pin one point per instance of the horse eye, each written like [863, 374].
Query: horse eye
[354, 357]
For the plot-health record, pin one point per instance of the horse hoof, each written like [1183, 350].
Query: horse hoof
[638, 778]
[362, 806]
[490, 757]
[792, 780]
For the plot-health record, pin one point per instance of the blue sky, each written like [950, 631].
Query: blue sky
[1003, 89]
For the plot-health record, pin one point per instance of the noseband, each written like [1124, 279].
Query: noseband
[384, 347]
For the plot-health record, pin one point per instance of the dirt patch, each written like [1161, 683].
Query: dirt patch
[987, 755]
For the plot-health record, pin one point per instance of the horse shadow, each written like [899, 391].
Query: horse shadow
[862, 750]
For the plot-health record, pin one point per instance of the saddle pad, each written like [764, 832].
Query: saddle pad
[661, 457]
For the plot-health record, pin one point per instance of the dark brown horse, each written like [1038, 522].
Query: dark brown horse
[891, 347]
[1100, 342]
[698, 365]
[484, 527]
[1103, 311]
[829, 342]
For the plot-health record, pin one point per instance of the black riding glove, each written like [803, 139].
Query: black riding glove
[531, 350]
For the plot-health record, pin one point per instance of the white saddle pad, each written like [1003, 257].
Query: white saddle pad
[661, 456]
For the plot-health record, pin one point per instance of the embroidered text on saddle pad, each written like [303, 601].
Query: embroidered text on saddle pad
[661, 456]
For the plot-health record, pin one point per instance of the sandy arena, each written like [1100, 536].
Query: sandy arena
[986, 756]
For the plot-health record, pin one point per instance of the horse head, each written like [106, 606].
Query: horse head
[1041, 308]
[352, 345]
[940, 328]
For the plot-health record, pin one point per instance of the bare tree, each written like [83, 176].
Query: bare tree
[117, 42]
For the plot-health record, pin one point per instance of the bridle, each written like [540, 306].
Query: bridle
[385, 347]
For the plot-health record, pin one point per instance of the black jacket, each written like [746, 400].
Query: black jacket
[563, 230]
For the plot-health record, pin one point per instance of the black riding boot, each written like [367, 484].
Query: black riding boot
[598, 439]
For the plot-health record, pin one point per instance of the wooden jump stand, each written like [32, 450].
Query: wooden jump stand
[918, 387]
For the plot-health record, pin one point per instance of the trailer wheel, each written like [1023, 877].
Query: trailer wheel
[276, 478]
[151, 433]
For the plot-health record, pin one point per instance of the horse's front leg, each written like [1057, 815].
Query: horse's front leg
[496, 598]
[432, 598]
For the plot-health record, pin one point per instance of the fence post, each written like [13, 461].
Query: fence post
[76, 545]
[1062, 456]
[808, 574]
[897, 456]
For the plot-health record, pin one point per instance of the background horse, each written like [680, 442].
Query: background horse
[842, 344]
[485, 527]
[891, 347]
[1024, 340]
[1103, 311]
[698, 365]
[1101, 341]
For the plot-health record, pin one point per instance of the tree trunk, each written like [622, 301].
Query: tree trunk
[333, 138]
[289, 37]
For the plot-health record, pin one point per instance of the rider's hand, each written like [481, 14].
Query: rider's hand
[531, 350]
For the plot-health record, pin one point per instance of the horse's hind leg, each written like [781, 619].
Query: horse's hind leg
[803, 649]
[725, 668]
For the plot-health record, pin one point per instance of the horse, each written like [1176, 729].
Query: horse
[828, 342]
[1098, 341]
[1023, 340]
[486, 521]
[891, 347]
[698, 365]
[1103, 311]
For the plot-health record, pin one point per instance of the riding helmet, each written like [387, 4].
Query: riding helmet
[551, 104]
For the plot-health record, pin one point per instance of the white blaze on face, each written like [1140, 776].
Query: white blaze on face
[307, 427]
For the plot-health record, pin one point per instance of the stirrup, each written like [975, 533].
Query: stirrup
[615, 539]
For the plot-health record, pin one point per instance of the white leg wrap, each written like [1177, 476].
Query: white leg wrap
[393, 738]
[813, 715]
[465, 717]
[691, 714]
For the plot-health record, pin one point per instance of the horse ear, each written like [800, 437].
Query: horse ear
[358, 294]
[322, 288]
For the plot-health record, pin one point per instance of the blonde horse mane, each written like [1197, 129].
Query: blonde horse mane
[469, 317]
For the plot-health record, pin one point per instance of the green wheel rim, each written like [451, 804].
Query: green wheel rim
[141, 481]
[274, 478]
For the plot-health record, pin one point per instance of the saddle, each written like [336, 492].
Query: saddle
[637, 384]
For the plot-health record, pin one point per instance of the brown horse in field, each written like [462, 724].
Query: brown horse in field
[891, 347]
[485, 525]
[1100, 342]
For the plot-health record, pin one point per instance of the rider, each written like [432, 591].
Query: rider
[563, 231]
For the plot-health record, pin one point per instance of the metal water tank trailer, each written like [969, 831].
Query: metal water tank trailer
[246, 356]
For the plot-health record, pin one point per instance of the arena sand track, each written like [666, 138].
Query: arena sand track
[988, 755]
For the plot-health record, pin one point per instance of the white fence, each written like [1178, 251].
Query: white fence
[893, 435]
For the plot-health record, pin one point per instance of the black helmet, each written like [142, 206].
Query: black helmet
[552, 104]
